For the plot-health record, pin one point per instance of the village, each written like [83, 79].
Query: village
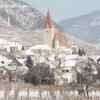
[52, 62]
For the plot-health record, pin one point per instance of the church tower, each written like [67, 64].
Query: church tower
[49, 30]
[52, 38]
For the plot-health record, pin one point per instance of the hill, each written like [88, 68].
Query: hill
[86, 27]
[16, 13]
[23, 23]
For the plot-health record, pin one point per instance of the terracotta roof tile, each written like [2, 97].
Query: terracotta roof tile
[61, 39]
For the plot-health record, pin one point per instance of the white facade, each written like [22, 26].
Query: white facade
[6, 46]
[65, 73]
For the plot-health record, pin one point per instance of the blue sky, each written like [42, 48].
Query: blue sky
[64, 9]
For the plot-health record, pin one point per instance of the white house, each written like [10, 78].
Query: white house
[3, 46]
[9, 46]
[14, 46]
[65, 72]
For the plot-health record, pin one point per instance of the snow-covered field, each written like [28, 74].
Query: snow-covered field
[26, 92]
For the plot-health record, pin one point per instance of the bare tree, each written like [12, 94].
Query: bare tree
[85, 71]
[29, 62]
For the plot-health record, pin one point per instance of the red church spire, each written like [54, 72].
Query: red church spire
[49, 21]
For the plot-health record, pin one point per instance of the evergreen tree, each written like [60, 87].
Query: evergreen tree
[98, 60]
[79, 52]
[83, 52]
[29, 62]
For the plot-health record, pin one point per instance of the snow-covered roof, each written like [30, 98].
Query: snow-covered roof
[29, 52]
[69, 63]
[2, 41]
[13, 43]
[41, 47]
[68, 57]
[4, 61]
[51, 57]
[3, 58]
[22, 61]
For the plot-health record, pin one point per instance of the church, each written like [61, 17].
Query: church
[53, 38]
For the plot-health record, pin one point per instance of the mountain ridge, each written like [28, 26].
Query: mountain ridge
[85, 27]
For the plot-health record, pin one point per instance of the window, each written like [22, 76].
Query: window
[63, 70]
[67, 70]
[66, 80]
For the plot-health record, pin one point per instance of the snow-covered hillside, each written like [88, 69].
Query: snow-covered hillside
[19, 14]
